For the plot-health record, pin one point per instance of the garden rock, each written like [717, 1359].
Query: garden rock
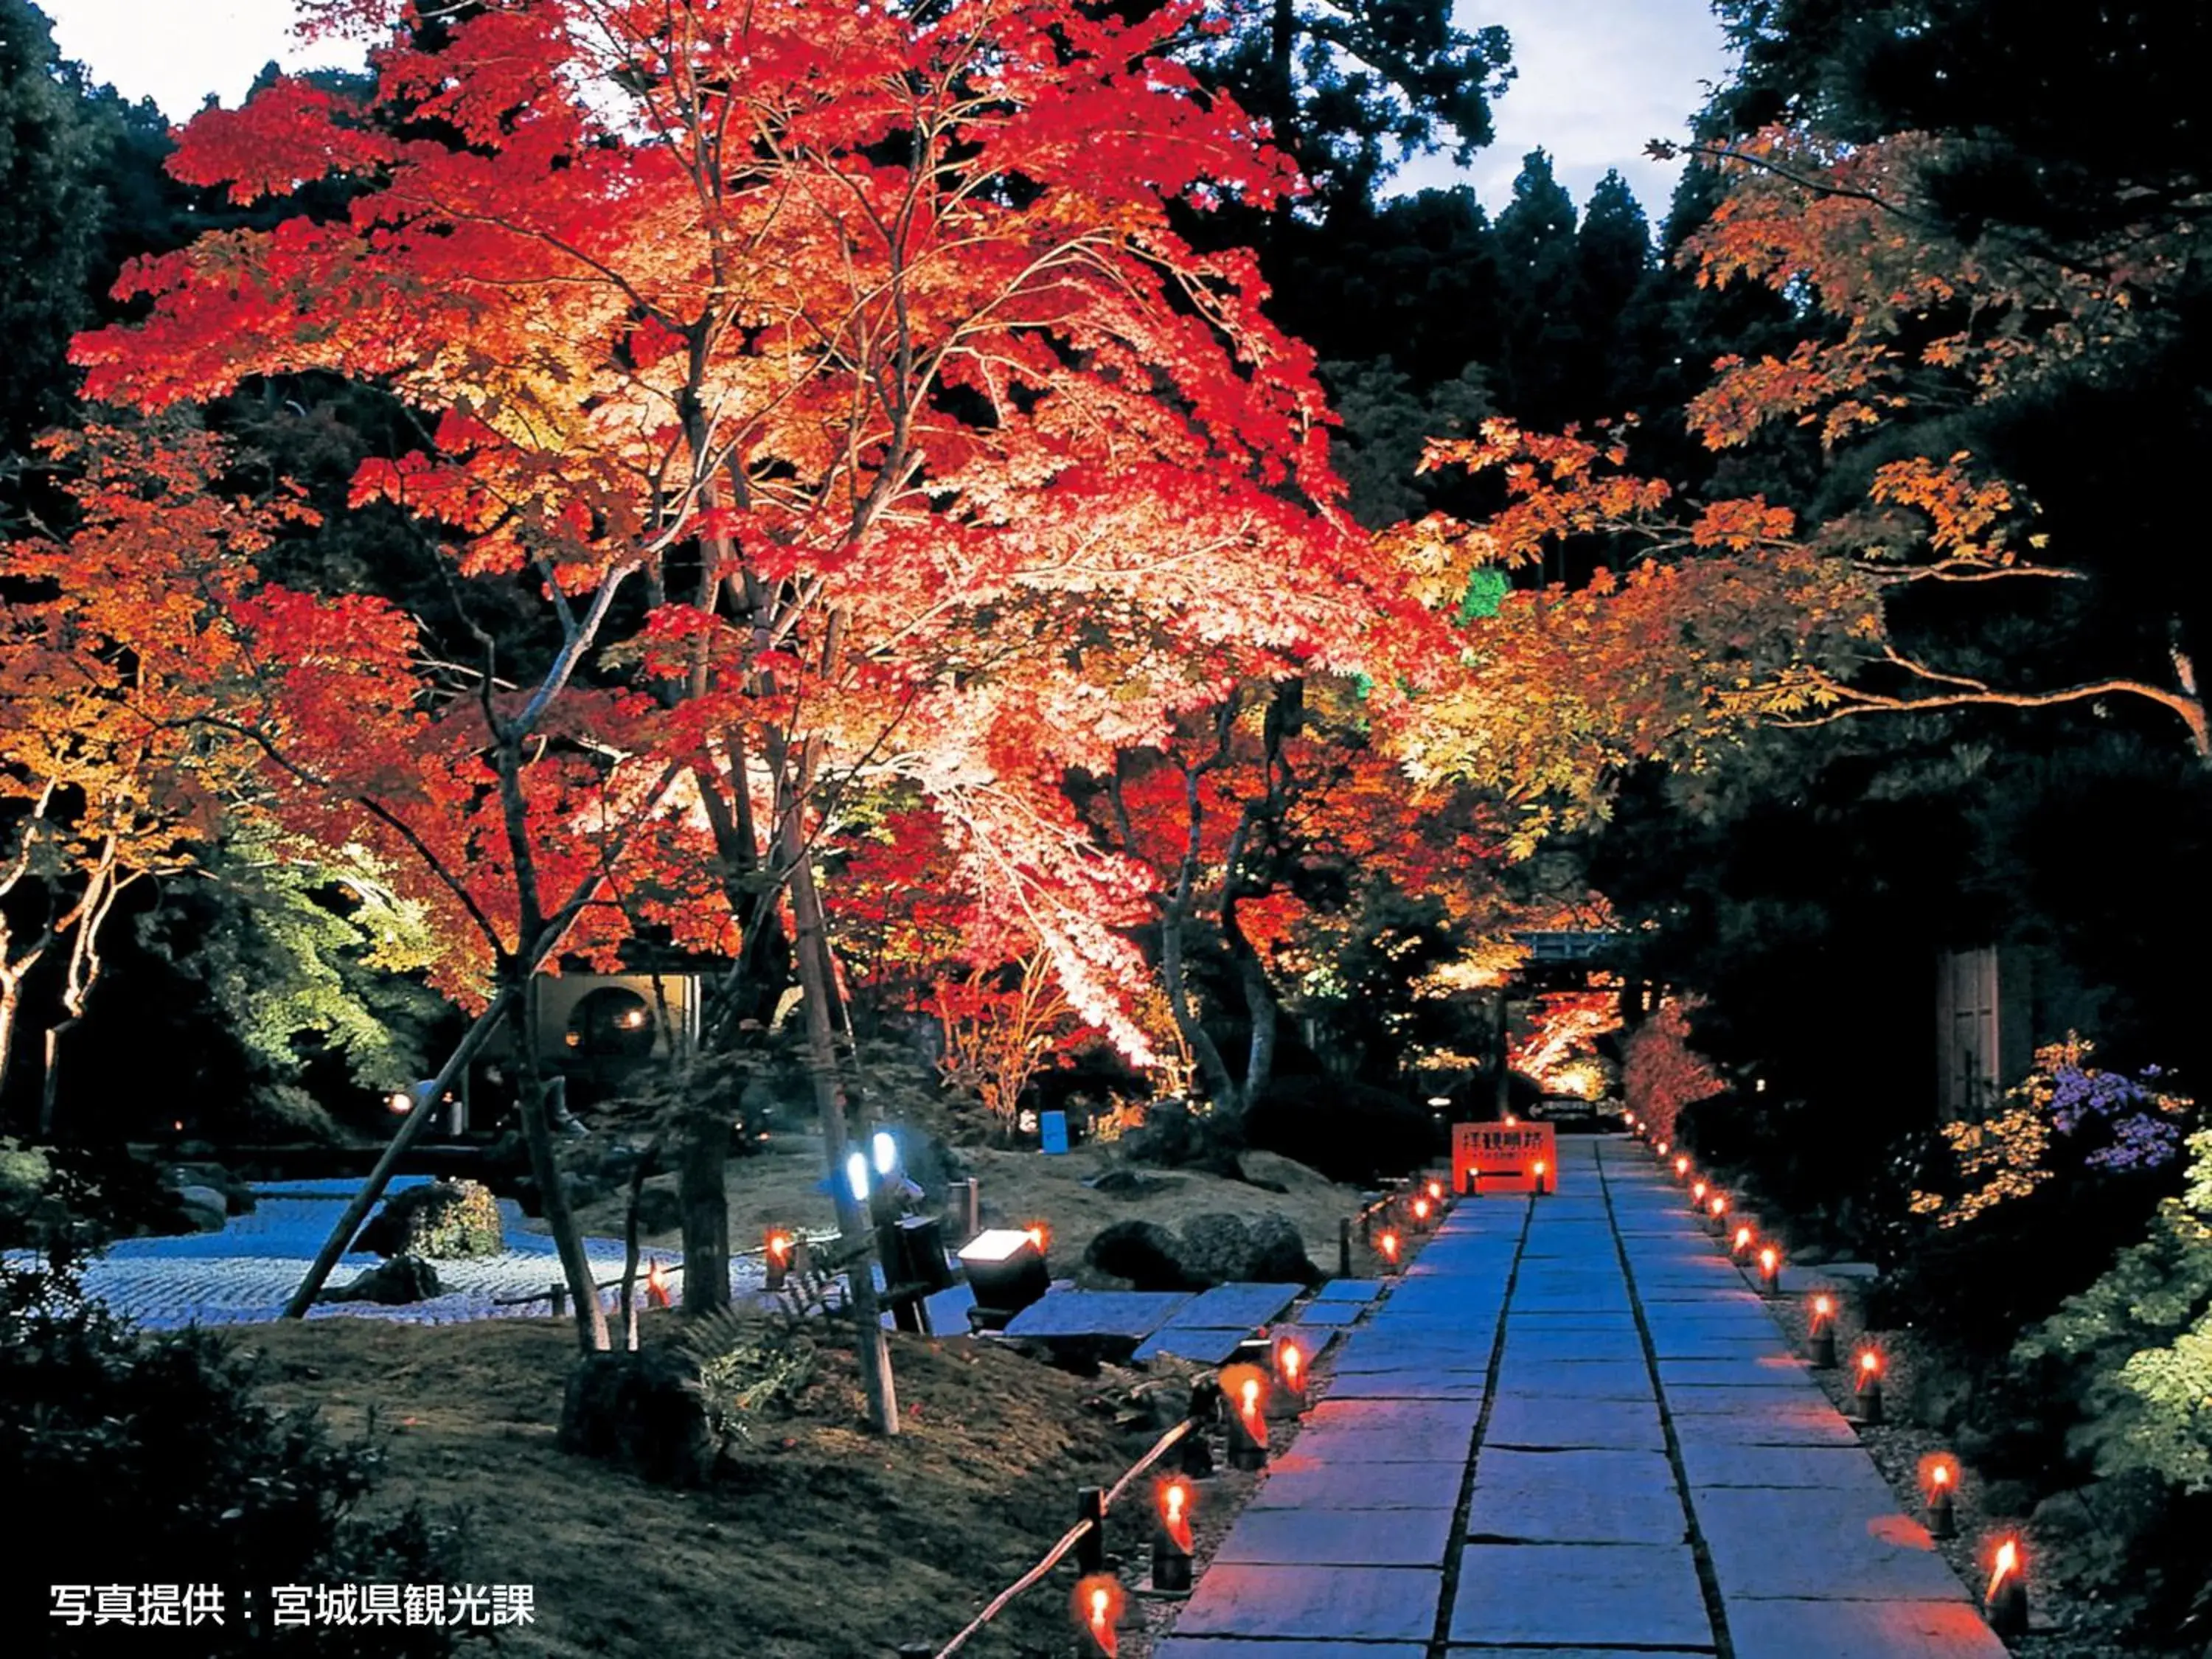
[202, 1208]
[447, 1219]
[1215, 1249]
[1142, 1252]
[658, 1210]
[1276, 1173]
[1279, 1253]
[402, 1280]
[1126, 1183]
[643, 1410]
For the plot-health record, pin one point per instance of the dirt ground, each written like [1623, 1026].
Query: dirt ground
[823, 1543]
[781, 1187]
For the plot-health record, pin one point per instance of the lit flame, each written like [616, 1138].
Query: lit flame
[1939, 1474]
[1251, 1398]
[1436, 1192]
[1511, 1120]
[1869, 1368]
[1698, 1192]
[1098, 1606]
[1390, 1246]
[1289, 1359]
[1175, 1513]
[779, 1246]
[1662, 1151]
[1742, 1239]
[1681, 1167]
[1036, 1236]
[1540, 1169]
[1824, 1309]
[656, 1285]
[1768, 1261]
[1719, 1205]
[2007, 1563]
[1421, 1204]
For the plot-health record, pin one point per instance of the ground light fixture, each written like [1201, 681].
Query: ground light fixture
[1821, 1332]
[2004, 1604]
[1770, 1270]
[1681, 1167]
[1662, 1148]
[1697, 1191]
[1939, 1482]
[1291, 1374]
[1098, 1603]
[1388, 1244]
[1868, 1368]
[777, 1247]
[1543, 1173]
[1716, 1214]
[1746, 1236]
[1422, 1208]
[1038, 1233]
[1006, 1271]
[856, 1176]
[1436, 1191]
[885, 1147]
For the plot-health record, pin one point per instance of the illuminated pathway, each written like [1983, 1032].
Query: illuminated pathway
[1572, 1433]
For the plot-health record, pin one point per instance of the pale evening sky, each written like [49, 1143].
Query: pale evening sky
[1598, 78]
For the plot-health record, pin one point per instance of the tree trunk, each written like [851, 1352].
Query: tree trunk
[49, 1085]
[814, 979]
[706, 1208]
[535, 1099]
[11, 1004]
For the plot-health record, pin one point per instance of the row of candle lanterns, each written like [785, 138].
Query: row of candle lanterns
[1248, 1396]
[2004, 1603]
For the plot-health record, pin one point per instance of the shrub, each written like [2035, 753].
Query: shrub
[147, 1460]
[1660, 1073]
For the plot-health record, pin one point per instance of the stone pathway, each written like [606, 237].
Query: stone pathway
[1571, 1432]
[247, 1272]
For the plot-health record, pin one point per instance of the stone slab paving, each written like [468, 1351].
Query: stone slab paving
[1570, 1429]
[1349, 1290]
[1247, 1304]
[1134, 1314]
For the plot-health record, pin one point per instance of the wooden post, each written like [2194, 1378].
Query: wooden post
[1090, 1548]
[1344, 1248]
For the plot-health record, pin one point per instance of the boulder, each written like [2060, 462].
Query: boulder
[1279, 1253]
[202, 1208]
[450, 1220]
[643, 1410]
[1127, 1183]
[1215, 1249]
[1278, 1174]
[402, 1280]
[660, 1210]
[1142, 1252]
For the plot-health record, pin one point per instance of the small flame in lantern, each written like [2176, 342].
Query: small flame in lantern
[1291, 1360]
[1769, 1260]
[1436, 1191]
[1698, 1192]
[779, 1246]
[1719, 1205]
[1662, 1151]
[1743, 1236]
[1038, 1236]
[1250, 1398]
[1175, 1513]
[656, 1285]
[1421, 1209]
[2007, 1563]
[1681, 1168]
[1390, 1246]
[1540, 1169]
[1869, 1367]
[1824, 1309]
[1098, 1606]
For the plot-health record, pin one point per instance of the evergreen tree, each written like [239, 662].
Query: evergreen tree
[1540, 301]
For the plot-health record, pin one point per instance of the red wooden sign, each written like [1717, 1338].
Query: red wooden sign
[1504, 1156]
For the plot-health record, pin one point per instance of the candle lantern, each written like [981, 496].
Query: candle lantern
[776, 1246]
[1681, 1167]
[1436, 1191]
[2005, 1604]
[1716, 1214]
[1939, 1479]
[1739, 1246]
[1662, 1148]
[1821, 1333]
[1291, 1376]
[656, 1285]
[1388, 1244]
[1770, 1271]
[1171, 1539]
[1099, 1604]
[1543, 1174]
[1869, 1390]
[1244, 1393]
[1422, 1211]
[1697, 1191]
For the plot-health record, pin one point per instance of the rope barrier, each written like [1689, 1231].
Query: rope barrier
[1053, 1558]
[1150, 1458]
